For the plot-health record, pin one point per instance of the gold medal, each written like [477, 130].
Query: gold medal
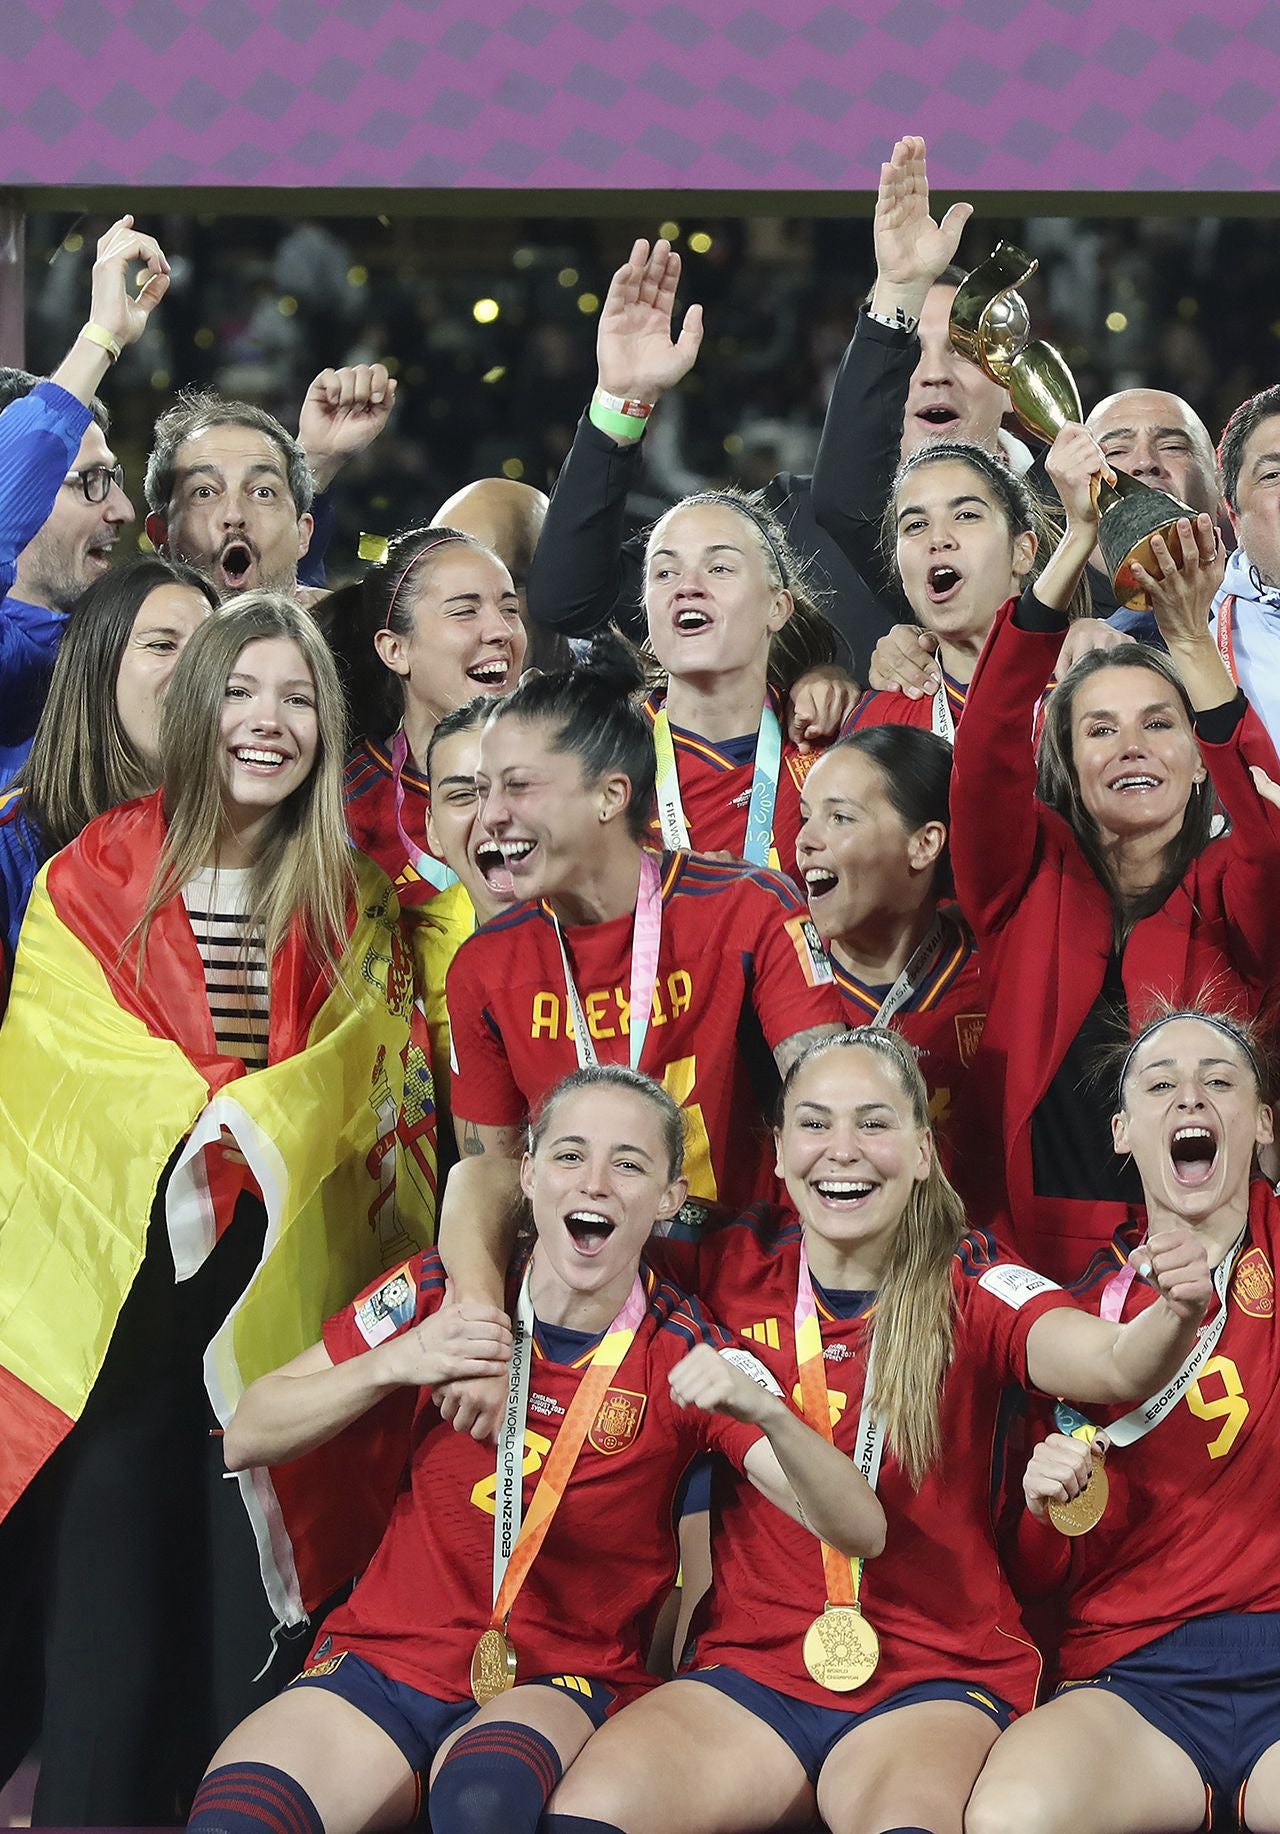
[841, 1649]
[493, 1666]
[1085, 1511]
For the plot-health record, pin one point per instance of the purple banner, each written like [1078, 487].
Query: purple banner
[758, 95]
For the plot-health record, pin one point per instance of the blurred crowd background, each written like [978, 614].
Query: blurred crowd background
[490, 326]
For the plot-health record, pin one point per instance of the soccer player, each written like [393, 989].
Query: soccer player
[894, 1331]
[429, 627]
[874, 854]
[692, 969]
[1170, 1655]
[492, 1633]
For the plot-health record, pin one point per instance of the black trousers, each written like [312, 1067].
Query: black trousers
[155, 1620]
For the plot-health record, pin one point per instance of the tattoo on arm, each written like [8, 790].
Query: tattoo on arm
[794, 1047]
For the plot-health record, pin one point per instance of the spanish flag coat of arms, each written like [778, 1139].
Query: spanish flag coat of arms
[105, 1079]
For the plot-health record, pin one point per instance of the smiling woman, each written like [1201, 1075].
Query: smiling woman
[444, 1675]
[213, 1002]
[428, 629]
[1112, 848]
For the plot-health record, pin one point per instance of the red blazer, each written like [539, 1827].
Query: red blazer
[1043, 920]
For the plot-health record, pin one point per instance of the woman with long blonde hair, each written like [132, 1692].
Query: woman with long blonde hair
[895, 1332]
[210, 1051]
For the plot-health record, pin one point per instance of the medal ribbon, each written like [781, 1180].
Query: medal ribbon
[434, 871]
[1138, 1422]
[512, 1560]
[1225, 634]
[943, 720]
[645, 942]
[843, 1575]
[758, 844]
[917, 969]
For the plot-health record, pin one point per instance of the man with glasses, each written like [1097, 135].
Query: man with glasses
[62, 500]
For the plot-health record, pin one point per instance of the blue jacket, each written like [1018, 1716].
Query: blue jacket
[40, 434]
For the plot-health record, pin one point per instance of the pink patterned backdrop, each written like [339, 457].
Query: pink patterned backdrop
[759, 95]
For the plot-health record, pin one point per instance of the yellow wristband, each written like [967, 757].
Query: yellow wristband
[104, 339]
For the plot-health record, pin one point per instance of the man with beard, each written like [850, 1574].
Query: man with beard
[232, 493]
[62, 501]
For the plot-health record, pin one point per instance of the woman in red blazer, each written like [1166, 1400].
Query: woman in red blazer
[1101, 874]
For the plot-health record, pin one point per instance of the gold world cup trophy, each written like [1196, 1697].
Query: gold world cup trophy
[991, 326]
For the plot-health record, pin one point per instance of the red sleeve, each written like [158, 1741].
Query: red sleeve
[792, 986]
[999, 1299]
[994, 815]
[391, 1304]
[483, 1088]
[715, 1432]
[1251, 879]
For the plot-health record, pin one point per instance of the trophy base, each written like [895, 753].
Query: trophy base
[1125, 534]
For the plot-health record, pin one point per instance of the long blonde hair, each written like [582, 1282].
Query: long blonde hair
[914, 1322]
[303, 868]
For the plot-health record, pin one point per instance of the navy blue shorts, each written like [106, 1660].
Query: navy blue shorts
[813, 1732]
[1213, 1687]
[417, 1723]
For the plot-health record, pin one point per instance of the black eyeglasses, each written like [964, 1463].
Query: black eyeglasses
[96, 481]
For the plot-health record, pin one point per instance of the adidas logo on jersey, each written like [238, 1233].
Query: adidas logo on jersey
[764, 1333]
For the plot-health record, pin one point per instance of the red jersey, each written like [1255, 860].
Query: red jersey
[883, 707]
[368, 788]
[737, 945]
[715, 789]
[589, 1603]
[1188, 1501]
[942, 1021]
[937, 1596]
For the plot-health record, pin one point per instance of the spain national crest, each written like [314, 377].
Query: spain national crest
[618, 1420]
[969, 1035]
[1253, 1285]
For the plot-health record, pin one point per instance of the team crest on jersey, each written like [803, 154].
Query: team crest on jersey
[969, 1035]
[1253, 1285]
[808, 946]
[618, 1420]
[800, 764]
[383, 1313]
[325, 1663]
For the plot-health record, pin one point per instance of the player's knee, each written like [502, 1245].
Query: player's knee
[247, 1798]
[590, 1793]
[1009, 1805]
[497, 1775]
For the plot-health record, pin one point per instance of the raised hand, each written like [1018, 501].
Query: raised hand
[343, 411]
[1174, 1260]
[636, 354]
[708, 1380]
[1189, 570]
[121, 312]
[911, 249]
[1076, 464]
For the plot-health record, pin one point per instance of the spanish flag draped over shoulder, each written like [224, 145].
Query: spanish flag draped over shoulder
[103, 1081]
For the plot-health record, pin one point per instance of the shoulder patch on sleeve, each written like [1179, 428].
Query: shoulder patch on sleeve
[1014, 1284]
[380, 1315]
[752, 1368]
[809, 951]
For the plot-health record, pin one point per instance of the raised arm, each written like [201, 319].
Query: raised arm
[862, 433]
[580, 577]
[994, 814]
[1083, 1358]
[799, 1471]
